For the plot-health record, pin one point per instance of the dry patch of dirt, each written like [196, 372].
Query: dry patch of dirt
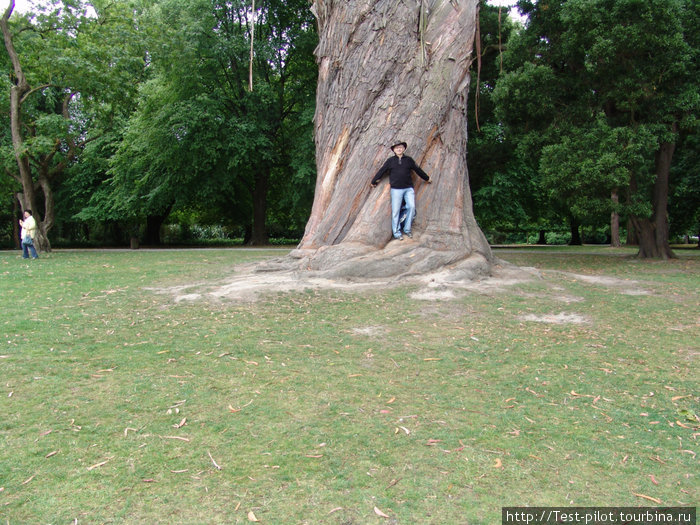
[625, 286]
[560, 318]
[369, 331]
[249, 284]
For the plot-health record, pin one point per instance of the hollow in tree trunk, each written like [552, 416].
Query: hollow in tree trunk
[389, 72]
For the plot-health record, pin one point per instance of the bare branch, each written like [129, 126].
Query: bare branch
[33, 90]
[13, 175]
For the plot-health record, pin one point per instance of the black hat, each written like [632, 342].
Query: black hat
[399, 144]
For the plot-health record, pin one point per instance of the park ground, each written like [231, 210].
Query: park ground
[135, 389]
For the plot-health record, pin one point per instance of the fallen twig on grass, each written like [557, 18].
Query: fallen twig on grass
[212, 460]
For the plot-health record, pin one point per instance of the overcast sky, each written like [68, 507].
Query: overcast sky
[21, 6]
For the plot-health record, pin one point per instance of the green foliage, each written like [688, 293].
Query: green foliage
[583, 169]
[685, 195]
[587, 104]
[199, 139]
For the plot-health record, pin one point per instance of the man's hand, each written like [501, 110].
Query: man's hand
[373, 184]
[429, 181]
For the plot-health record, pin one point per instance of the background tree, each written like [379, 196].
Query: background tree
[70, 69]
[200, 138]
[684, 208]
[578, 59]
[507, 199]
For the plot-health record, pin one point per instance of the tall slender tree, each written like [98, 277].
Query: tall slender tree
[70, 68]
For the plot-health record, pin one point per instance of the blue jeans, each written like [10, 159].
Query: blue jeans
[398, 196]
[27, 247]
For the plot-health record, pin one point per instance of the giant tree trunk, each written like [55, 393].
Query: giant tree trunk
[392, 71]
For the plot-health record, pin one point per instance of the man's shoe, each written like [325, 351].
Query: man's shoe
[408, 234]
[399, 238]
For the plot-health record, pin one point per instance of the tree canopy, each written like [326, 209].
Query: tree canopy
[121, 117]
[598, 93]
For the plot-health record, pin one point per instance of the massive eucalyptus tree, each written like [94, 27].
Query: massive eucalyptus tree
[392, 71]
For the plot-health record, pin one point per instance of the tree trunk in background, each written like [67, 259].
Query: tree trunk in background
[653, 233]
[575, 228]
[383, 79]
[153, 225]
[259, 235]
[615, 223]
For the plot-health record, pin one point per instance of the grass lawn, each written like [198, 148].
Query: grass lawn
[118, 405]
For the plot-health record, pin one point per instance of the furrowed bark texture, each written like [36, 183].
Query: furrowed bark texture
[392, 71]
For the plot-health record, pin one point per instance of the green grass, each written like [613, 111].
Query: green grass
[118, 405]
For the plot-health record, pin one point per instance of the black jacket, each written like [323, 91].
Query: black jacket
[400, 172]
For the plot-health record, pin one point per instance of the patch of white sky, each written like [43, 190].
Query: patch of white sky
[26, 6]
[21, 6]
[512, 8]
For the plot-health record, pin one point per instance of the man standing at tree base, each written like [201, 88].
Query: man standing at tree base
[400, 179]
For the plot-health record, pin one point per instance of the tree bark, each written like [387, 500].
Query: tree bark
[384, 78]
[615, 222]
[653, 233]
[542, 238]
[154, 224]
[19, 90]
[575, 228]
[259, 235]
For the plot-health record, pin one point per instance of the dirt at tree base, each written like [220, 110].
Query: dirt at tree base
[252, 282]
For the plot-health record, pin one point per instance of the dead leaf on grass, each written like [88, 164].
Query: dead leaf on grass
[676, 398]
[644, 496]
[181, 424]
[251, 516]
[97, 465]
[653, 479]
[498, 463]
[380, 513]
[51, 454]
